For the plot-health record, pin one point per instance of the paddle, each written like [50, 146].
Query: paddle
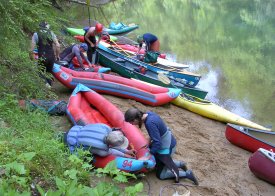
[128, 54]
[164, 79]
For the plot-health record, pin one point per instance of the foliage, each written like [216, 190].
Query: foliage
[32, 159]
[116, 174]
[19, 19]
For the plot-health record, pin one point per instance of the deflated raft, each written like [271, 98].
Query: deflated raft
[115, 85]
[87, 107]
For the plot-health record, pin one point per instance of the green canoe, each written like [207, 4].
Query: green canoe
[128, 67]
[125, 29]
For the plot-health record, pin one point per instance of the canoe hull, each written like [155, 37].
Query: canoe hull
[127, 29]
[127, 69]
[262, 164]
[181, 76]
[250, 139]
[210, 110]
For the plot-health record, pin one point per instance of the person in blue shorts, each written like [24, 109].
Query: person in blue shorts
[162, 146]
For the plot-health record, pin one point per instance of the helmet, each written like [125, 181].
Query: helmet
[139, 38]
[133, 114]
[99, 27]
[44, 25]
[84, 46]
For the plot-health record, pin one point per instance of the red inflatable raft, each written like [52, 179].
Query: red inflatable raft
[87, 107]
[262, 165]
[115, 85]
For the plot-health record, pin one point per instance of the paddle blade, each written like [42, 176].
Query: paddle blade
[163, 78]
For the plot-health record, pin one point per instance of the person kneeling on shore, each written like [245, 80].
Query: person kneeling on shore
[163, 145]
[99, 139]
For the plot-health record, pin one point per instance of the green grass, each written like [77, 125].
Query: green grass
[32, 158]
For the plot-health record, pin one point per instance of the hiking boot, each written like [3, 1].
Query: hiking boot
[183, 166]
[192, 177]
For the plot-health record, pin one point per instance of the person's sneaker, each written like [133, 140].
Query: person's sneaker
[190, 175]
[183, 166]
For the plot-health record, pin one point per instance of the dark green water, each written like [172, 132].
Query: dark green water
[230, 43]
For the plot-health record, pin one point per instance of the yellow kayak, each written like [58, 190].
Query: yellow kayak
[213, 111]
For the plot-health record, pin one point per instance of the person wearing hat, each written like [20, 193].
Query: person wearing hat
[75, 50]
[99, 139]
[90, 40]
[163, 145]
[48, 50]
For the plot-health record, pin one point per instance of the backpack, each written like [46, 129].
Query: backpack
[151, 57]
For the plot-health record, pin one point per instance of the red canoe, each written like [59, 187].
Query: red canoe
[262, 165]
[116, 85]
[126, 47]
[87, 107]
[250, 139]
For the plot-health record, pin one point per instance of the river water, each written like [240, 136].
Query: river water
[230, 43]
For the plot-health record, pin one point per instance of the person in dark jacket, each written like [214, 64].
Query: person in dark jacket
[163, 145]
[48, 50]
[75, 50]
[99, 139]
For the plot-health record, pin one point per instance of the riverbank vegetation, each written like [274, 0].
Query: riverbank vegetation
[33, 159]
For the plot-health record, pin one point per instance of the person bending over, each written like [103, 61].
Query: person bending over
[163, 145]
[151, 50]
[90, 40]
[151, 41]
[99, 139]
[75, 50]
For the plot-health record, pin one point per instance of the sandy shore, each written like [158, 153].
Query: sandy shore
[221, 168]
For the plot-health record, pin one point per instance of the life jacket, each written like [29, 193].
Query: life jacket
[44, 45]
[89, 136]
